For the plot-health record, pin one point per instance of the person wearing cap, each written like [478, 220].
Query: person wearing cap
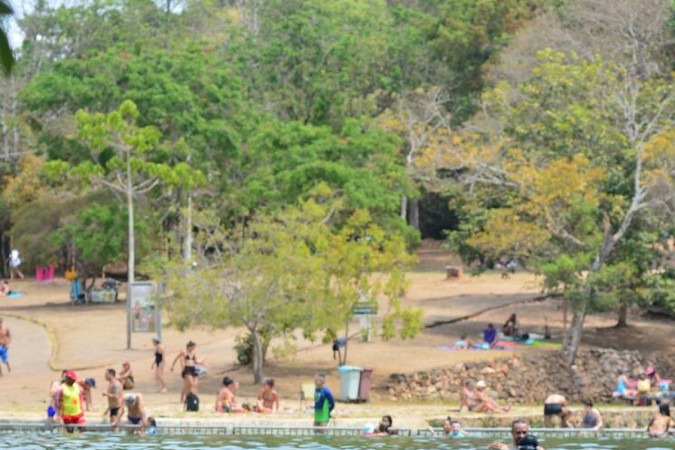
[86, 385]
[556, 405]
[115, 397]
[483, 401]
[135, 410]
[69, 401]
[126, 376]
[520, 430]
[226, 400]
[653, 377]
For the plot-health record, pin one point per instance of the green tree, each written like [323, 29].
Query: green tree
[582, 156]
[6, 54]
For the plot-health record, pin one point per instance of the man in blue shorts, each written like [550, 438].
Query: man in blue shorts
[5, 339]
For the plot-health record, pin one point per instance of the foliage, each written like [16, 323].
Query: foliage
[27, 185]
[6, 54]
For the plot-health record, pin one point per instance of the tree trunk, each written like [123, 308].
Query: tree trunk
[188, 231]
[343, 359]
[404, 208]
[414, 214]
[132, 252]
[573, 337]
[623, 315]
[258, 359]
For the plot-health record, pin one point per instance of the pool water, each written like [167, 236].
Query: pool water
[37, 441]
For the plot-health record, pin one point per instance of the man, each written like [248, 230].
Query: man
[5, 339]
[226, 401]
[135, 410]
[519, 430]
[324, 403]
[115, 396]
[69, 402]
[490, 335]
[556, 405]
[453, 428]
[661, 422]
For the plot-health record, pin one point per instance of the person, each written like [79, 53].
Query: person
[4, 288]
[14, 263]
[653, 377]
[464, 343]
[510, 327]
[226, 400]
[556, 405]
[660, 423]
[126, 376]
[188, 361]
[158, 365]
[135, 410]
[622, 383]
[152, 426]
[5, 340]
[69, 402]
[643, 388]
[324, 402]
[592, 419]
[268, 399]
[453, 428]
[520, 430]
[490, 335]
[384, 428]
[468, 396]
[114, 395]
[86, 386]
[483, 401]
[52, 412]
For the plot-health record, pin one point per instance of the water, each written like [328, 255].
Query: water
[39, 441]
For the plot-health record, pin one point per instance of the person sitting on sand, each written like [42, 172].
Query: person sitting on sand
[126, 376]
[653, 377]
[463, 344]
[592, 419]
[622, 383]
[643, 391]
[659, 424]
[4, 288]
[556, 405]
[485, 403]
[467, 396]
[226, 400]
[490, 335]
[510, 327]
[268, 399]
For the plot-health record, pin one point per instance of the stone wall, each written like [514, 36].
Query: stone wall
[528, 378]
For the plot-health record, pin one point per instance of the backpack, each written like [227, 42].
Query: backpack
[192, 402]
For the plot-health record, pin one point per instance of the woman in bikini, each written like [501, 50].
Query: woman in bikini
[188, 361]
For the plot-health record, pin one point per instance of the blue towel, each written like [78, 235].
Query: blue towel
[15, 294]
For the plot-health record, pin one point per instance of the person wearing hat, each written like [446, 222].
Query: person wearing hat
[135, 410]
[522, 440]
[483, 401]
[69, 401]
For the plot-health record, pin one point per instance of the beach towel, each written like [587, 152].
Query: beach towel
[14, 295]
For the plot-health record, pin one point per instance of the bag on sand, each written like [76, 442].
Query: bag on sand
[191, 402]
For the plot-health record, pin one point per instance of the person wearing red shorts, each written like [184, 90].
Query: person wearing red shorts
[70, 401]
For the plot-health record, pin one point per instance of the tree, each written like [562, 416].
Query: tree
[579, 159]
[284, 272]
[121, 162]
[6, 54]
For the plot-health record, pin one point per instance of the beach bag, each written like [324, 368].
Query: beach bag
[191, 402]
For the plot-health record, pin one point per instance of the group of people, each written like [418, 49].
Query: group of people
[71, 397]
[491, 336]
[641, 391]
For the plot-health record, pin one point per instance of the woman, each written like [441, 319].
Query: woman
[188, 361]
[158, 365]
[126, 376]
[510, 327]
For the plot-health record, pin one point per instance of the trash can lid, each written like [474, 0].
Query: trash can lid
[349, 369]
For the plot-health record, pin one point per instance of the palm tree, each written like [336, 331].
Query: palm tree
[6, 56]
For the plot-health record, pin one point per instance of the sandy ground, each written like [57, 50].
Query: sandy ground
[49, 335]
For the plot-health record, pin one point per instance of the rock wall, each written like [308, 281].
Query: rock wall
[528, 378]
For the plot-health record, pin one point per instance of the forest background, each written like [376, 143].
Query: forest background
[277, 161]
